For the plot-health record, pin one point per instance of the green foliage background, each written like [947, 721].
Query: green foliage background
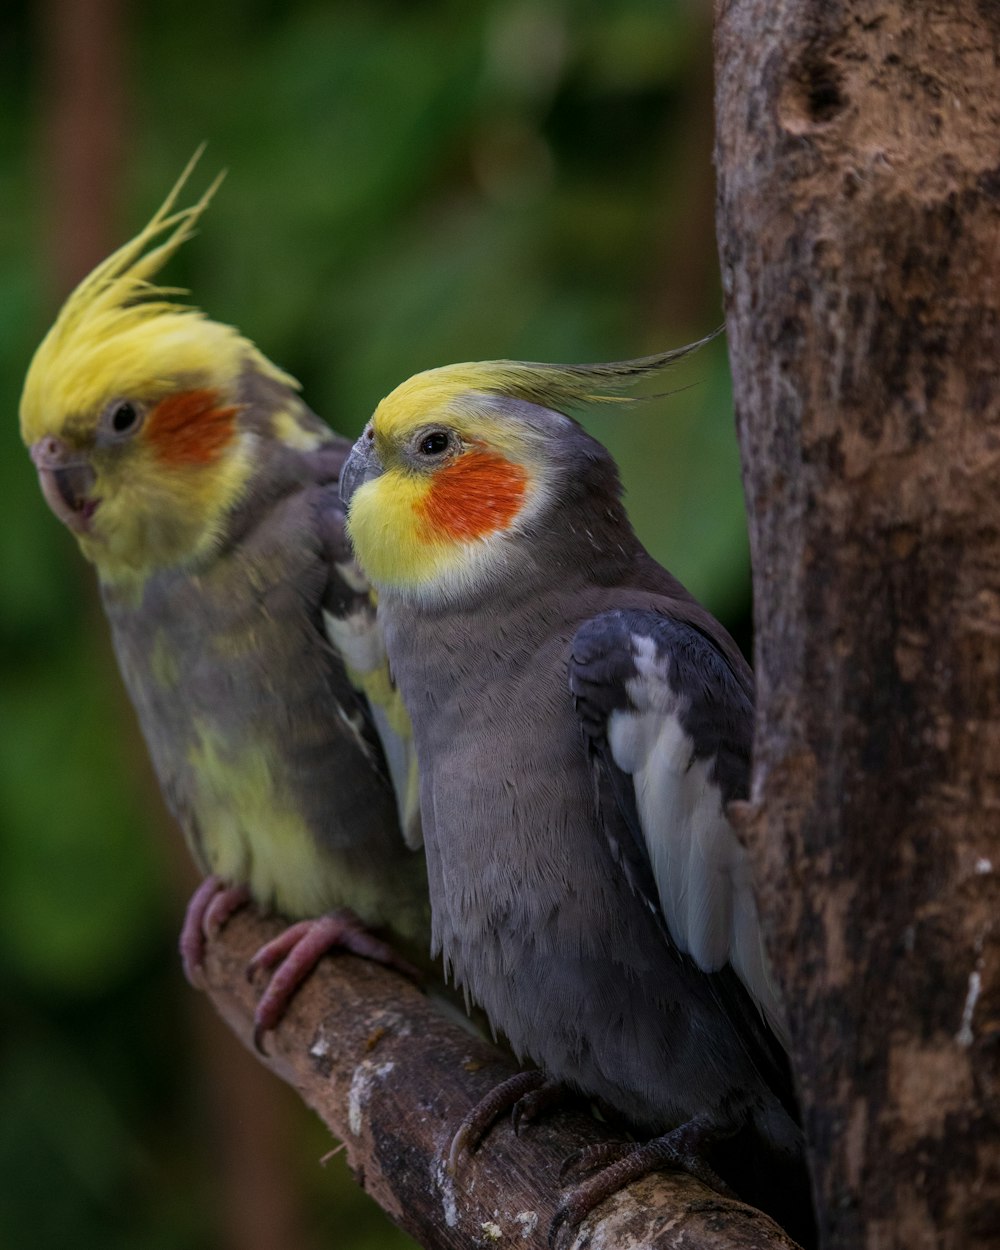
[409, 184]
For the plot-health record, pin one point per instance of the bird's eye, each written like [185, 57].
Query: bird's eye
[434, 444]
[124, 417]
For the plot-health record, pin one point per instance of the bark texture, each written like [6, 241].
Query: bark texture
[392, 1077]
[858, 157]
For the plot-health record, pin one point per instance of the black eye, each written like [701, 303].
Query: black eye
[123, 417]
[434, 444]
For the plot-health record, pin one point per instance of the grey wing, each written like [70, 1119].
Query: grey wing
[350, 621]
[669, 722]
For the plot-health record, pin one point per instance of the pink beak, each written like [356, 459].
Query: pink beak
[66, 478]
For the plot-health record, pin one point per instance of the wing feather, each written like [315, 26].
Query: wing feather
[670, 723]
[350, 621]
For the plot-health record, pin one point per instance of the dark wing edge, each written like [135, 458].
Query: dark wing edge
[668, 724]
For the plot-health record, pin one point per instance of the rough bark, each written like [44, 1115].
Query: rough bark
[392, 1076]
[857, 149]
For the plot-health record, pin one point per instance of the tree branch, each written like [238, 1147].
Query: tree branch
[392, 1076]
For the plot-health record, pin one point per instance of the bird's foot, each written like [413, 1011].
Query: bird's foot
[210, 906]
[623, 1163]
[590, 1158]
[503, 1097]
[295, 952]
[539, 1099]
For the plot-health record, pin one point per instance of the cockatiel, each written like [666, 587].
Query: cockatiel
[581, 723]
[205, 493]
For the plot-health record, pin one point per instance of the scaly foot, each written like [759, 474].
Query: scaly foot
[681, 1148]
[210, 907]
[295, 952]
[503, 1097]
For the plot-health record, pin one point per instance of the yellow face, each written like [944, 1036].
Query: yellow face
[458, 459]
[129, 413]
[437, 480]
[146, 482]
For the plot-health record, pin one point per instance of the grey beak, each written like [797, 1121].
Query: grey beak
[362, 465]
[67, 480]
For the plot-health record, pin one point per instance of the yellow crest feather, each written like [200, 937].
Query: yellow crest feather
[120, 334]
[550, 386]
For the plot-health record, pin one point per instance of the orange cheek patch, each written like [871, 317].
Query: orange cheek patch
[189, 428]
[476, 495]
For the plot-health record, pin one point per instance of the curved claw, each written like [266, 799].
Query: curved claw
[560, 1220]
[541, 1098]
[487, 1111]
[631, 1161]
[584, 1199]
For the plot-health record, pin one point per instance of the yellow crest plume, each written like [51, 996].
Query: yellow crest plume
[119, 334]
[550, 386]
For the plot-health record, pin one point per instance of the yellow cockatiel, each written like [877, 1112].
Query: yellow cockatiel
[205, 493]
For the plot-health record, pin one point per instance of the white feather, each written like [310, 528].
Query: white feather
[359, 640]
[701, 870]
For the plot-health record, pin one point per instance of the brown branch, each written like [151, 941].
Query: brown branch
[392, 1076]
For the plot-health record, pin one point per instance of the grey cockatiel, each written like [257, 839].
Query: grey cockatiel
[206, 494]
[580, 724]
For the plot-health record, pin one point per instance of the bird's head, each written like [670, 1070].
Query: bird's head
[131, 413]
[459, 462]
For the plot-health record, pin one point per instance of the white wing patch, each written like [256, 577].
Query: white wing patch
[352, 575]
[359, 640]
[700, 868]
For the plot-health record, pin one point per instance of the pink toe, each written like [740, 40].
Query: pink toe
[295, 953]
[192, 939]
[211, 905]
[226, 902]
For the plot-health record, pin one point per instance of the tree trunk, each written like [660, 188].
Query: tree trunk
[858, 156]
[85, 44]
